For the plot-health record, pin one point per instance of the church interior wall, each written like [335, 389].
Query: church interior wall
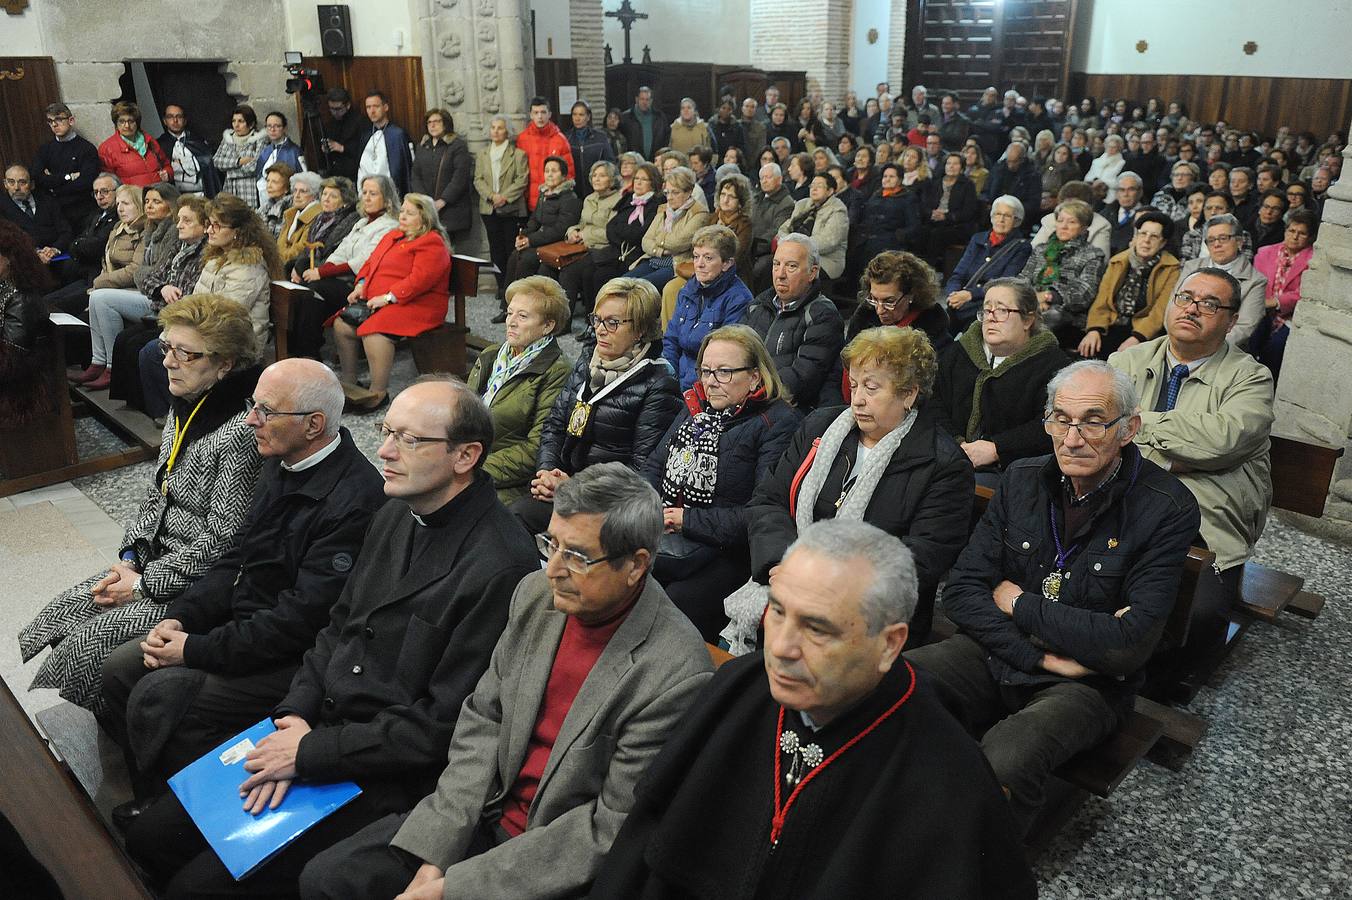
[869, 62]
[687, 31]
[379, 27]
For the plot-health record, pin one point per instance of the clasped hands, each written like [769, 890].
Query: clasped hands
[545, 482]
[114, 589]
[164, 644]
[273, 764]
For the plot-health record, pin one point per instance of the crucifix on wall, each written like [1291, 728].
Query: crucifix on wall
[627, 17]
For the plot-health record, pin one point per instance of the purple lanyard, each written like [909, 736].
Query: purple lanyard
[1061, 555]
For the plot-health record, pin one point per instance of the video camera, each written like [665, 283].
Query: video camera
[309, 84]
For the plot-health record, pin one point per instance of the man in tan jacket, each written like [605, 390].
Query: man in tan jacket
[1206, 415]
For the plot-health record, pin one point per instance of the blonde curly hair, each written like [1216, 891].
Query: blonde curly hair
[906, 354]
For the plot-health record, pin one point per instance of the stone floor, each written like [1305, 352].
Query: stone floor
[1261, 808]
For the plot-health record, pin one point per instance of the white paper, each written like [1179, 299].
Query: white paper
[236, 752]
[60, 318]
[290, 286]
[567, 97]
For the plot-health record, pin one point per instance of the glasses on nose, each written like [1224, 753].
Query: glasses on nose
[1091, 432]
[1217, 240]
[181, 354]
[408, 441]
[886, 304]
[996, 314]
[266, 413]
[57, 120]
[126, 121]
[610, 324]
[577, 563]
[722, 375]
[1207, 306]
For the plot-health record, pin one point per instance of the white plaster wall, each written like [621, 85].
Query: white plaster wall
[868, 62]
[374, 27]
[553, 29]
[719, 32]
[1193, 38]
[21, 35]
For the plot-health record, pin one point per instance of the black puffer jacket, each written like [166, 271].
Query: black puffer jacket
[924, 498]
[625, 425]
[556, 212]
[749, 445]
[627, 238]
[804, 340]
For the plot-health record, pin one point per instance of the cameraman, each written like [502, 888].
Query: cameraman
[344, 134]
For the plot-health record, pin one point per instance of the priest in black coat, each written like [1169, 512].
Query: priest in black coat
[825, 767]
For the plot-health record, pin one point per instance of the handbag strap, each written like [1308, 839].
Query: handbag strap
[999, 254]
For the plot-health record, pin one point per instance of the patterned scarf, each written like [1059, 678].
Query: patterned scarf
[1051, 270]
[639, 203]
[604, 371]
[506, 366]
[691, 475]
[1130, 295]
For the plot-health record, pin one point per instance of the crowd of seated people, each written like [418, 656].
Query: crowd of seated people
[784, 399]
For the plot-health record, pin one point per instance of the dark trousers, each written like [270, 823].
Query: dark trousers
[179, 861]
[760, 273]
[1025, 731]
[502, 231]
[311, 312]
[155, 394]
[534, 514]
[699, 584]
[365, 865]
[126, 383]
[165, 719]
[578, 280]
[521, 263]
[1268, 344]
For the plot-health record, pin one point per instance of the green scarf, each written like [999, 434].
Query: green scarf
[139, 145]
[1051, 271]
[975, 345]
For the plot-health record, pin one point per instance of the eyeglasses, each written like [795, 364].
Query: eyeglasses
[218, 226]
[609, 325]
[996, 314]
[405, 440]
[722, 375]
[57, 120]
[252, 405]
[103, 192]
[1058, 427]
[1221, 239]
[126, 120]
[888, 305]
[180, 354]
[576, 562]
[1207, 306]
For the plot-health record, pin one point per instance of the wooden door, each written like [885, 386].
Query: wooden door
[27, 85]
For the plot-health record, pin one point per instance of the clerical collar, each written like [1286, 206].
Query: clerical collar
[443, 516]
[1082, 499]
[315, 458]
[1171, 360]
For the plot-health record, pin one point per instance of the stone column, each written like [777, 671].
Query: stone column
[585, 33]
[896, 50]
[478, 63]
[1314, 395]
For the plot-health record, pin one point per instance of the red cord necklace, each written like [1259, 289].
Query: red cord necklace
[777, 823]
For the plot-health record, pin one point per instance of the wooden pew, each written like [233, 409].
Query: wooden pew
[55, 817]
[1301, 475]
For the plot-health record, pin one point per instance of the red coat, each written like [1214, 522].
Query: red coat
[539, 144]
[118, 157]
[418, 273]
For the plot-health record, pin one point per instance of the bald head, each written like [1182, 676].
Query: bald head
[18, 183]
[297, 408]
[314, 386]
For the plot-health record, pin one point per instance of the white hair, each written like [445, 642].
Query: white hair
[892, 595]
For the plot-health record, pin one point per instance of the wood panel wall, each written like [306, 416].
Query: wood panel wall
[1321, 105]
[400, 77]
[27, 85]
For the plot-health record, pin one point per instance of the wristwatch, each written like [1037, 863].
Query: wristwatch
[136, 592]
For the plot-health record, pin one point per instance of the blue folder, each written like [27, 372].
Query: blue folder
[209, 791]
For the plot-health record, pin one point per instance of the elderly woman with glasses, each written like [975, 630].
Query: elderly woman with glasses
[617, 402]
[203, 483]
[402, 291]
[520, 379]
[734, 425]
[666, 243]
[878, 461]
[305, 207]
[132, 155]
[1135, 290]
[991, 383]
[442, 169]
[1000, 252]
[1066, 272]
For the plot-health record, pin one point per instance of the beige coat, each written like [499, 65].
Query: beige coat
[512, 181]
[596, 212]
[657, 241]
[1216, 437]
[291, 244]
[830, 232]
[243, 277]
[687, 137]
[121, 256]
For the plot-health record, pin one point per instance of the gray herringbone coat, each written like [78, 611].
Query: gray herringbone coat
[210, 489]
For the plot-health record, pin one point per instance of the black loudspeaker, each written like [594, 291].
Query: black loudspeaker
[335, 29]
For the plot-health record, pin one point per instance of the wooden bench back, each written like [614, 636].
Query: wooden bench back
[1301, 475]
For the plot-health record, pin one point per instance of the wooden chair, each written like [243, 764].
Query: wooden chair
[443, 349]
[285, 299]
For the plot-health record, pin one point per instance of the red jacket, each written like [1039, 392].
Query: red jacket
[418, 273]
[118, 157]
[539, 144]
